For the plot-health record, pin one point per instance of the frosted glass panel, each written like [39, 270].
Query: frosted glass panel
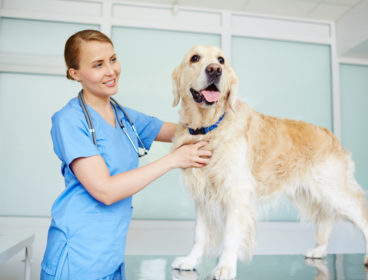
[148, 58]
[29, 169]
[354, 117]
[36, 37]
[287, 80]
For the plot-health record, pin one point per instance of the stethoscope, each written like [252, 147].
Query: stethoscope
[115, 105]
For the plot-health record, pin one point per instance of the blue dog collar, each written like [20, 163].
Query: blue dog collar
[205, 130]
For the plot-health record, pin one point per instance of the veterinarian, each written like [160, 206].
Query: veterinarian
[99, 155]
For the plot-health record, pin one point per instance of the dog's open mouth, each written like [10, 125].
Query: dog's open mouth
[209, 95]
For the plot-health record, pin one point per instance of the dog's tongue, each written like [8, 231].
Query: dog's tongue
[210, 95]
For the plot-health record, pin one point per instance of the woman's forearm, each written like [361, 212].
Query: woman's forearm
[128, 183]
[94, 175]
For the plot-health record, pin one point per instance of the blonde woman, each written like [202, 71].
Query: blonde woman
[90, 219]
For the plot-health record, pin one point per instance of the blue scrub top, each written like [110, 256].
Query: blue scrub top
[87, 232]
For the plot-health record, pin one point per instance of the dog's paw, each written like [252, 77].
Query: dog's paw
[366, 260]
[185, 275]
[316, 253]
[224, 272]
[320, 264]
[184, 263]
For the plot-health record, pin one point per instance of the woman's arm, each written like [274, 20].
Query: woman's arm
[166, 132]
[94, 175]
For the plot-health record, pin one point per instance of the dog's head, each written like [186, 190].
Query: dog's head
[205, 78]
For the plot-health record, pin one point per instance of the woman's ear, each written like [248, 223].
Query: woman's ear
[233, 90]
[175, 85]
[74, 74]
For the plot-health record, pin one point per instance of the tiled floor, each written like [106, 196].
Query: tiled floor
[262, 267]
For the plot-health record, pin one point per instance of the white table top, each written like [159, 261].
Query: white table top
[10, 244]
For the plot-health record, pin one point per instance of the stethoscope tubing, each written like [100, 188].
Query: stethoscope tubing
[115, 105]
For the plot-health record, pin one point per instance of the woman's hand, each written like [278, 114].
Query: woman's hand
[191, 155]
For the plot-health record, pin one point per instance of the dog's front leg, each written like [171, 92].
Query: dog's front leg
[239, 240]
[194, 258]
[226, 267]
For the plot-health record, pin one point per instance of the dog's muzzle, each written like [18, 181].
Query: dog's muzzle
[213, 72]
[211, 93]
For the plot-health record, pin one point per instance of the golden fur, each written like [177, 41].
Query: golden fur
[256, 157]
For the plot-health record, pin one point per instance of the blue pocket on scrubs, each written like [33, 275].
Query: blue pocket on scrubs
[96, 247]
[56, 245]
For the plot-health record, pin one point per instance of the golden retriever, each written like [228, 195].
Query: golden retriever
[254, 157]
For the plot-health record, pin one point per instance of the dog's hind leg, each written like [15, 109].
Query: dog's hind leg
[355, 206]
[358, 214]
[323, 232]
[348, 204]
[362, 223]
[312, 206]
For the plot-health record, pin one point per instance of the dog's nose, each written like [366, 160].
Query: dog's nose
[214, 70]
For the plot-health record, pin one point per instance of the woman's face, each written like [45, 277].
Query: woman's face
[99, 69]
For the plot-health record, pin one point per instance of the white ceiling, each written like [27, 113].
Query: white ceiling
[351, 16]
[312, 9]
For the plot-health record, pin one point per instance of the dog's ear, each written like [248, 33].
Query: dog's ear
[175, 82]
[233, 90]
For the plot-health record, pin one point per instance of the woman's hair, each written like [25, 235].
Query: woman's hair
[72, 47]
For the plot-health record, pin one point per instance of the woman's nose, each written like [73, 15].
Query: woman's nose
[110, 70]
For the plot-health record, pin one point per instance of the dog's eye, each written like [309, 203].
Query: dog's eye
[195, 58]
[221, 60]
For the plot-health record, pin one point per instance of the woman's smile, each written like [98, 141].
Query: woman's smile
[110, 83]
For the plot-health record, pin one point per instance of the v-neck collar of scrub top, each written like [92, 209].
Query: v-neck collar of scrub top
[90, 108]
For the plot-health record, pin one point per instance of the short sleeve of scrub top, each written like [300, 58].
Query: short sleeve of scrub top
[71, 137]
[86, 233]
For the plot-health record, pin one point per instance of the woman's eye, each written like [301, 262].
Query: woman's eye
[195, 58]
[114, 59]
[98, 65]
[221, 60]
